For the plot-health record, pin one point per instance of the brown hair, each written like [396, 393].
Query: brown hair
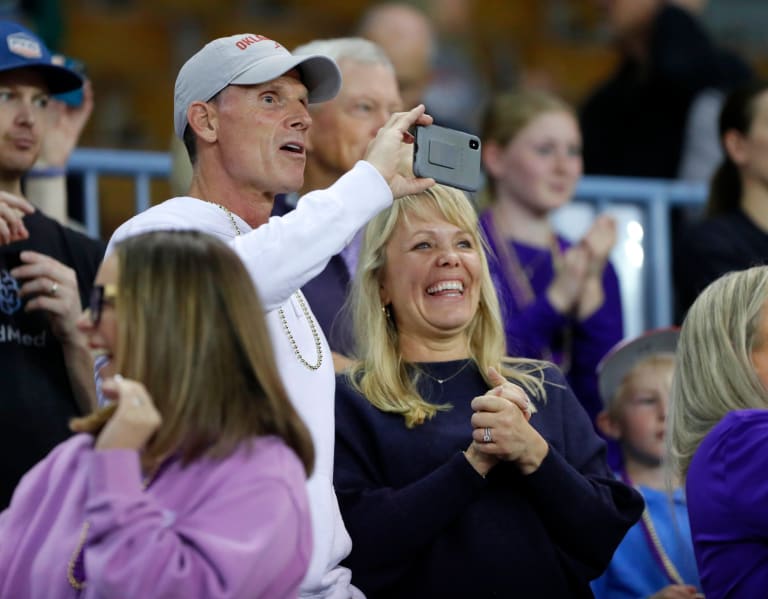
[190, 328]
[737, 114]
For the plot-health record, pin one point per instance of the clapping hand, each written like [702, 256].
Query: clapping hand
[501, 428]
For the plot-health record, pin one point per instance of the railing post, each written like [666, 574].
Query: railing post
[142, 192]
[92, 214]
[659, 293]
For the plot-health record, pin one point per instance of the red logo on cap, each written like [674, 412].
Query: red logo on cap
[246, 41]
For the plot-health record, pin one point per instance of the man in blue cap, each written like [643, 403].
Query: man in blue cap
[46, 272]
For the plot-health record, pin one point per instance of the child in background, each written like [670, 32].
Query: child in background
[656, 558]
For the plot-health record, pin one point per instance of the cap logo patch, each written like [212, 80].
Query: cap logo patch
[23, 45]
[246, 41]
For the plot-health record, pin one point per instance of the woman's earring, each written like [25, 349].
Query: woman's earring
[387, 312]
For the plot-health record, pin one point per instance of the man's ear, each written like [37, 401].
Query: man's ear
[203, 120]
[607, 426]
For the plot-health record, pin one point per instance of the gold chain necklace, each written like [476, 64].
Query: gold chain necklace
[79, 585]
[657, 549]
[281, 313]
[669, 568]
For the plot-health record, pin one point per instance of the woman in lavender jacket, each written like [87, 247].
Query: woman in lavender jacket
[192, 483]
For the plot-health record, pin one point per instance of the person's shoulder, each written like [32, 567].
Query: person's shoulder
[553, 377]
[350, 401]
[86, 242]
[738, 428]
[175, 213]
[261, 458]
[723, 231]
[740, 420]
[46, 234]
[345, 383]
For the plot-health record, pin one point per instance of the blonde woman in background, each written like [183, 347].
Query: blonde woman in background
[718, 429]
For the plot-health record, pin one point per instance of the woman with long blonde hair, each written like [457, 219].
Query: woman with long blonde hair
[461, 472]
[192, 482]
[718, 428]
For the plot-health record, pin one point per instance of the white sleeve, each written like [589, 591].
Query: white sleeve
[288, 251]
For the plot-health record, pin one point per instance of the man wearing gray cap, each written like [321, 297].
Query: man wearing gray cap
[240, 106]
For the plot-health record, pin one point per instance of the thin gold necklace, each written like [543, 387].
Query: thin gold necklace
[281, 313]
[448, 378]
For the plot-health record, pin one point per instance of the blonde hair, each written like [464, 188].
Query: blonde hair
[714, 374]
[617, 401]
[190, 328]
[381, 374]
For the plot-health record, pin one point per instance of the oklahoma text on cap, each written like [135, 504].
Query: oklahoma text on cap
[247, 59]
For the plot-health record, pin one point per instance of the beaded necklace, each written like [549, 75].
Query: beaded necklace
[281, 313]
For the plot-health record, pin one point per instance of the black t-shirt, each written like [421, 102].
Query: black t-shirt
[714, 247]
[36, 398]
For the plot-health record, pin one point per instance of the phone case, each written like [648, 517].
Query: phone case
[449, 156]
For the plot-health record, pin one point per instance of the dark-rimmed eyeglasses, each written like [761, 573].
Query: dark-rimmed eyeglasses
[100, 295]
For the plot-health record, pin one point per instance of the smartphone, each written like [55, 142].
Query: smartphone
[449, 156]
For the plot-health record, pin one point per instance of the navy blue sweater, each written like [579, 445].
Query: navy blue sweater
[424, 523]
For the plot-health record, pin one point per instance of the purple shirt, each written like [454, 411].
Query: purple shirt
[537, 330]
[727, 491]
[237, 527]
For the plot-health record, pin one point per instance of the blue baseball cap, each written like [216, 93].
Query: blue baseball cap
[22, 49]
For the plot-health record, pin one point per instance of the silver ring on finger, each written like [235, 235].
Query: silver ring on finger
[487, 438]
[54, 289]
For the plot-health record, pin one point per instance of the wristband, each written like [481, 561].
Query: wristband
[48, 171]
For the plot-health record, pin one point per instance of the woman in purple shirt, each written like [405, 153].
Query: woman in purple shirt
[718, 432]
[192, 482]
[560, 301]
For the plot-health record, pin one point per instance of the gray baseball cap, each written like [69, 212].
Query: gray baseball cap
[624, 355]
[247, 59]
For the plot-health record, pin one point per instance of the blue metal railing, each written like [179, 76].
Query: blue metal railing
[140, 166]
[654, 199]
